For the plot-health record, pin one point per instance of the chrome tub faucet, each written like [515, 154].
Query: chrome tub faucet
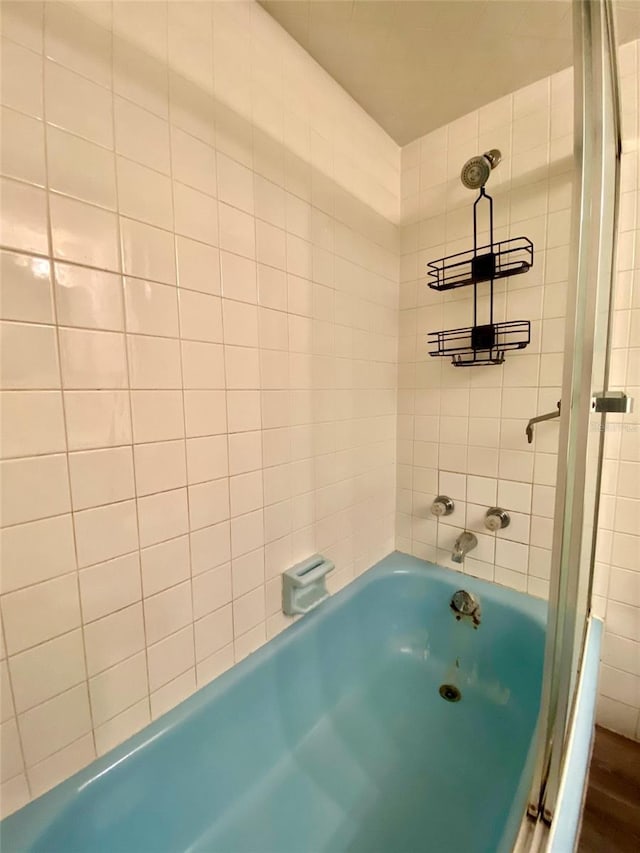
[464, 543]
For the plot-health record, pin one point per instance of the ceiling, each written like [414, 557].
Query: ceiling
[415, 65]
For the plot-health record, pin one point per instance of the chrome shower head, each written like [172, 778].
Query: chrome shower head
[475, 172]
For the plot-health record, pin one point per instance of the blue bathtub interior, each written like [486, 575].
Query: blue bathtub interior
[332, 737]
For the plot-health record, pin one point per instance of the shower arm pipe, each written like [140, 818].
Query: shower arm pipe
[539, 419]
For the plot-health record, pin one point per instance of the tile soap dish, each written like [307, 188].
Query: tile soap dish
[304, 586]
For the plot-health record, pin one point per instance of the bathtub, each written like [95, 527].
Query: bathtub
[332, 737]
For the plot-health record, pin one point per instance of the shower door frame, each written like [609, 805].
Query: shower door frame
[597, 150]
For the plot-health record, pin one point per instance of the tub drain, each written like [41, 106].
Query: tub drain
[450, 692]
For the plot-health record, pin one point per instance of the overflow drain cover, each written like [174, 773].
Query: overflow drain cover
[450, 693]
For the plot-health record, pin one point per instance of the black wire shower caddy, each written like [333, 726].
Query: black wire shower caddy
[481, 343]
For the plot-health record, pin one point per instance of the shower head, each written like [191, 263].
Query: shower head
[475, 172]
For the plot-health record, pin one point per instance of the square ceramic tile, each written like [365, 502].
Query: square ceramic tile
[245, 452]
[202, 366]
[195, 214]
[160, 466]
[84, 234]
[193, 162]
[247, 572]
[95, 182]
[41, 612]
[162, 516]
[78, 105]
[109, 587]
[253, 639]
[26, 288]
[167, 612]
[272, 288]
[46, 670]
[29, 357]
[207, 458]
[141, 77]
[21, 79]
[171, 694]
[144, 194]
[23, 25]
[210, 546]
[213, 632]
[237, 231]
[147, 252]
[191, 109]
[165, 565]
[170, 657]
[101, 477]
[248, 611]
[154, 363]
[214, 665]
[240, 323]
[242, 366]
[97, 419]
[32, 423]
[91, 360]
[151, 31]
[198, 266]
[273, 329]
[208, 505]
[157, 415]
[22, 139]
[235, 184]
[246, 492]
[244, 410]
[122, 726]
[118, 688]
[53, 725]
[247, 533]
[105, 532]
[34, 487]
[77, 42]
[211, 590]
[205, 413]
[88, 298]
[23, 217]
[36, 551]
[141, 136]
[238, 277]
[114, 638]
[200, 316]
[514, 496]
[151, 309]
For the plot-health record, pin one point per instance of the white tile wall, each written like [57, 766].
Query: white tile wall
[461, 430]
[617, 578]
[199, 311]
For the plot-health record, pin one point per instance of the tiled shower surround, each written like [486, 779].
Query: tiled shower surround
[461, 431]
[212, 262]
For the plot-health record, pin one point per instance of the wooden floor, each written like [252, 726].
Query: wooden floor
[611, 820]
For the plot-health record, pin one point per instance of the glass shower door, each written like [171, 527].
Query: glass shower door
[597, 151]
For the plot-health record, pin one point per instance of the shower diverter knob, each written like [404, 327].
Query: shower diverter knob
[442, 506]
[496, 519]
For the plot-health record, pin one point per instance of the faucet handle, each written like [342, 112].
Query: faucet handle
[496, 519]
[442, 506]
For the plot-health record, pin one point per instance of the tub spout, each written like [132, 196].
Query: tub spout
[463, 544]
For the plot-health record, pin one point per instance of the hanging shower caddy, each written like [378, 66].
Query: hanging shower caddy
[481, 343]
